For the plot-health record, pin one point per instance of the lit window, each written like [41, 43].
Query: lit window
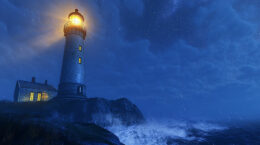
[80, 61]
[45, 96]
[80, 48]
[31, 96]
[39, 97]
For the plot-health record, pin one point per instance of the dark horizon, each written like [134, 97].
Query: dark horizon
[173, 59]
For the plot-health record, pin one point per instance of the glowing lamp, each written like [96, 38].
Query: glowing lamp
[75, 18]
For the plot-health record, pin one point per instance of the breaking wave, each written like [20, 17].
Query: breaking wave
[159, 133]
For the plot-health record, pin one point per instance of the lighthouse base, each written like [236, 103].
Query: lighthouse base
[69, 98]
[69, 91]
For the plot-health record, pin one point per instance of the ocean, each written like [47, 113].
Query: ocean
[188, 133]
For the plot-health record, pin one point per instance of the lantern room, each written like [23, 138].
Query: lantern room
[75, 24]
[75, 18]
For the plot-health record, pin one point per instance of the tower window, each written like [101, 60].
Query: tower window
[80, 90]
[80, 60]
[31, 96]
[80, 48]
[39, 97]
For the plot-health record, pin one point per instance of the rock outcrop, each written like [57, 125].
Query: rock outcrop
[29, 132]
[66, 121]
[100, 111]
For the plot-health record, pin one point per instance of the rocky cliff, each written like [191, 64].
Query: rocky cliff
[66, 121]
[100, 111]
[15, 131]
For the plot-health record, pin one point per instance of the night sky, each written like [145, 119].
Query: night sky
[195, 59]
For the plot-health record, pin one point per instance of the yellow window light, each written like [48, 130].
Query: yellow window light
[80, 48]
[45, 96]
[39, 97]
[31, 96]
[80, 60]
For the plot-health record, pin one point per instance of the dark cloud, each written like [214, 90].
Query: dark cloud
[173, 58]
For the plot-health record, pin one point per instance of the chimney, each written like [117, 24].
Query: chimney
[33, 79]
[46, 82]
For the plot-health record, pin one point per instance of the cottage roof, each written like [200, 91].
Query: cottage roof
[31, 85]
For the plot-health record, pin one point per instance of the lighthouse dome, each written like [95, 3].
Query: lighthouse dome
[76, 17]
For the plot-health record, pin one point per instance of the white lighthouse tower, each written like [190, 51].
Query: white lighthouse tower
[72, 77]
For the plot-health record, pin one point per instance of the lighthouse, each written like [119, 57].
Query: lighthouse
[72, 78]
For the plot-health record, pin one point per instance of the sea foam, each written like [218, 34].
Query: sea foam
[159, 132]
